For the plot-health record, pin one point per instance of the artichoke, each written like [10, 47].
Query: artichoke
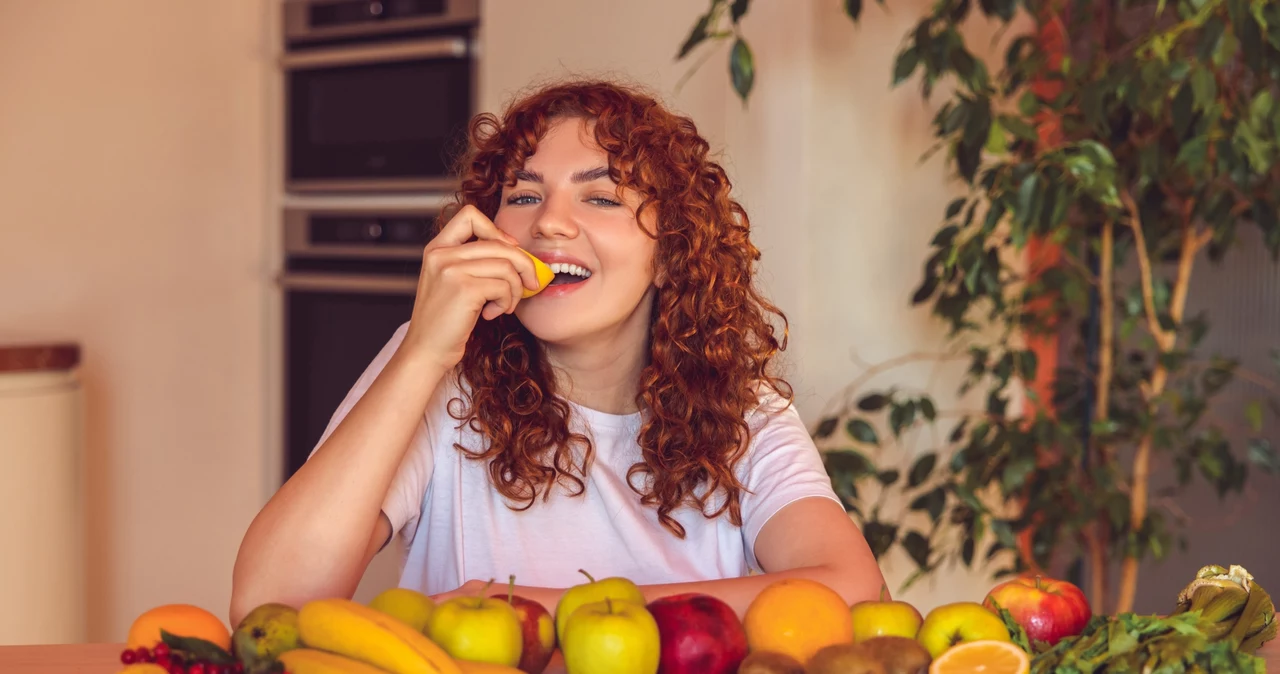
[1232, 607]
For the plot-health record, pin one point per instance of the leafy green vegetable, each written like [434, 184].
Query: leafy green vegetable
[1135, 644]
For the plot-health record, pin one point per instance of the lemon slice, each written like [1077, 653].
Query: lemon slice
[985, 657]
[545, 275]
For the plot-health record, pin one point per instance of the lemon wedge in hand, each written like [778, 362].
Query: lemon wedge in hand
[545, 275]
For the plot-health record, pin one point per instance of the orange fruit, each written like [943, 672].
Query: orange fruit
[183, 620]
[986, 656]
[797, 617]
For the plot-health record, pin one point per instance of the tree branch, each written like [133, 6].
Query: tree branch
[1144, 267]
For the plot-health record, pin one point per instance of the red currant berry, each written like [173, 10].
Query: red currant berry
[163, 660]
[238, 668]
[128, 657]
[143, 655]
[176, 668]
[197, 668]
[216, 669]
[160, 649]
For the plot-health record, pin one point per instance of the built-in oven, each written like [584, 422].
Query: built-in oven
[349, 281]
[378, 93]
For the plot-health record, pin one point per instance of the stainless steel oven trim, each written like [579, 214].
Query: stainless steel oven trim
[348, 283]
[436, 47]
[457, 13]
[440, 184]
[297, 245]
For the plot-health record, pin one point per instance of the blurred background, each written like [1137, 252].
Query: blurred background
[214, 207]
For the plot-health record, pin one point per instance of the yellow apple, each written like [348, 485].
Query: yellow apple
[951, 624]
[480, 629]
[611, 637]
[617, 589]
[884, 618]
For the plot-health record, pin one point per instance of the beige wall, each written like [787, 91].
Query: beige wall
[132, 216]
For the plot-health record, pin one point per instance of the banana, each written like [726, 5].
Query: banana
[311, 661]
[356, 631]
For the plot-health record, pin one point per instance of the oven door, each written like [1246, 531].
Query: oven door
[336, 323]
[381, 117]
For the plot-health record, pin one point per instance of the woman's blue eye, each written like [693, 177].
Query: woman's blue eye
[605, 201]
[522, 199]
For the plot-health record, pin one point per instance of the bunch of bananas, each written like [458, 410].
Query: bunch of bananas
[1232, 607]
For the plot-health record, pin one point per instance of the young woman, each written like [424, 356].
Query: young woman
[624, 420]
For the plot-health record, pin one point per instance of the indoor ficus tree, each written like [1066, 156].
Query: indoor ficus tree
[1132, 140]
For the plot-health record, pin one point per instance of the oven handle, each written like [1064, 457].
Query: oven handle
[445, 47]
[311, 282]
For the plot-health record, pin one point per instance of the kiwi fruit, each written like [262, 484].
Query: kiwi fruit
[899, 655]
[844, 659]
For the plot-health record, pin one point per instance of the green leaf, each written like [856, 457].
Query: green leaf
[1004, 534]
[1253, 412]
[921, 469]
[905, 64]
[917, 546]
[1182, 109]
[1019, 128]
[888, 477]
[958, 431]
[853, 8]
[198, 649]
[1026, 198]
[848, 461]
[1193, 154]
[1264, 455]
[1204, 86]
[933, 502]
[825, 428]
[927, 409]
[966, 551]
[880, 536]
[696, 36]
[738, 9]
[862, 431]
[872, 402]
[1016, 472]
[742, 68]
[1016, 633]
[953, 209]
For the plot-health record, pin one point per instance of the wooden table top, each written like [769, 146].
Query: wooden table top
[105, 659]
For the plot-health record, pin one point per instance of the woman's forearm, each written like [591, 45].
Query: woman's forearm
[315, 536]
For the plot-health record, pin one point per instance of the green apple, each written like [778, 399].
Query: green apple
[478, 629]
[611, 637]
[951, 624]
[615, 588]
[408, 606]
[884, 618]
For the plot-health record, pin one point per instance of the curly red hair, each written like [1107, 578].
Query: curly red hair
[710, 344]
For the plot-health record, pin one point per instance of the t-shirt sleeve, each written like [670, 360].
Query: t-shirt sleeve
[403, 501]
[782, 466]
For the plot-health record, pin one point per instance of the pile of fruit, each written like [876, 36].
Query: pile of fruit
[794, 626]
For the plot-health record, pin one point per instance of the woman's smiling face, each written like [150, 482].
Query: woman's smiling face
[565, 209]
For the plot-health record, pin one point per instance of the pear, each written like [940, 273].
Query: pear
[260, 638]
[408, 606]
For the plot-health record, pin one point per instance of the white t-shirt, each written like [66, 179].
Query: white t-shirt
[456, 527]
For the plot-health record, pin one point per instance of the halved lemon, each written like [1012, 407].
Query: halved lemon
[545, 275]
[982, 657]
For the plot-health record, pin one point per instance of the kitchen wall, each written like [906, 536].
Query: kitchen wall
[133, 194]
[137, 196]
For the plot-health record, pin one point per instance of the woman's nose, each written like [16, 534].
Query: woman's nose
[555, 219]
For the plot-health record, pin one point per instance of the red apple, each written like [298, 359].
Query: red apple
[538, 630]
[699, 634]
[1049, 610]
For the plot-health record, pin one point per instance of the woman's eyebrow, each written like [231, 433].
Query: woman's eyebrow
[590, 174]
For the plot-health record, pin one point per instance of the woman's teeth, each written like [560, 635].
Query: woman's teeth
[562, 268]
